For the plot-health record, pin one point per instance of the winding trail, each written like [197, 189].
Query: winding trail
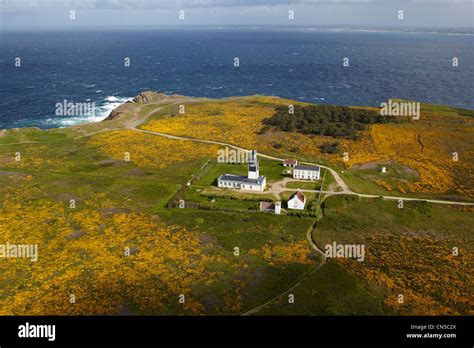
[337, 177]
[137, 120]
[276, 188]
[299, 282]
[339, 180]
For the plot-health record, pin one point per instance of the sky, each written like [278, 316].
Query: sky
[156, 13]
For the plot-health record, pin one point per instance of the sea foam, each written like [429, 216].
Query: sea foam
[102, 110]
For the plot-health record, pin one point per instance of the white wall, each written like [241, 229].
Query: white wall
[306, 174]
[296, 204]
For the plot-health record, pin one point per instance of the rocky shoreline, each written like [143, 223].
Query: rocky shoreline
[143, 98]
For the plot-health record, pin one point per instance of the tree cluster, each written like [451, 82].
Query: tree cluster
[335, 121]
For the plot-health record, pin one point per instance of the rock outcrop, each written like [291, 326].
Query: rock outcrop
[113, 114]
[143, 98]
[154, 97]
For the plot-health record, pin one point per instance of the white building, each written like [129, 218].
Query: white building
[306, 172]
[272, 207]
[252, 182]
[297, 201]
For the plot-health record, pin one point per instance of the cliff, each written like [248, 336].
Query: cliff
[146, 97]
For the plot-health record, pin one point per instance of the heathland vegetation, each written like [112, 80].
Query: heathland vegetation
[436, 150]
[96, 200]
[108, 244]
[416, 261]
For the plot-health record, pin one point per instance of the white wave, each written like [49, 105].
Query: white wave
[111, 103]
[66, 121]
[102, 110]
[111, 98]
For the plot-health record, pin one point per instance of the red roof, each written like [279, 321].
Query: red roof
[299, 195]
[290, 161]
[267, 205]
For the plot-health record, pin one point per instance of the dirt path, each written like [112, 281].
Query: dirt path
[299, 282]
[279, 187]
[24, 142]
[339, 180]
[136, 119]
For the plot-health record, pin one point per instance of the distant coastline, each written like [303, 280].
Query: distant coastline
[114, 108]
[282, 28]
[296, 63]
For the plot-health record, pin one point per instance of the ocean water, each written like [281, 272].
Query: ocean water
[88, 66]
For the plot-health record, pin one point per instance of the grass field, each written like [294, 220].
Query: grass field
[304, 185]
[121, 203]
[424, 147]
[332, 291]
[226, 258]
[273, 170]
[408, 252]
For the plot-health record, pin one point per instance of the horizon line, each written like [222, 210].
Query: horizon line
[277, 26]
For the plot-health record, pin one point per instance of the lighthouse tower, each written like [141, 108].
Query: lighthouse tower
[254, 171]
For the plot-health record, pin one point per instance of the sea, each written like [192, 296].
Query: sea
[107, 67]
